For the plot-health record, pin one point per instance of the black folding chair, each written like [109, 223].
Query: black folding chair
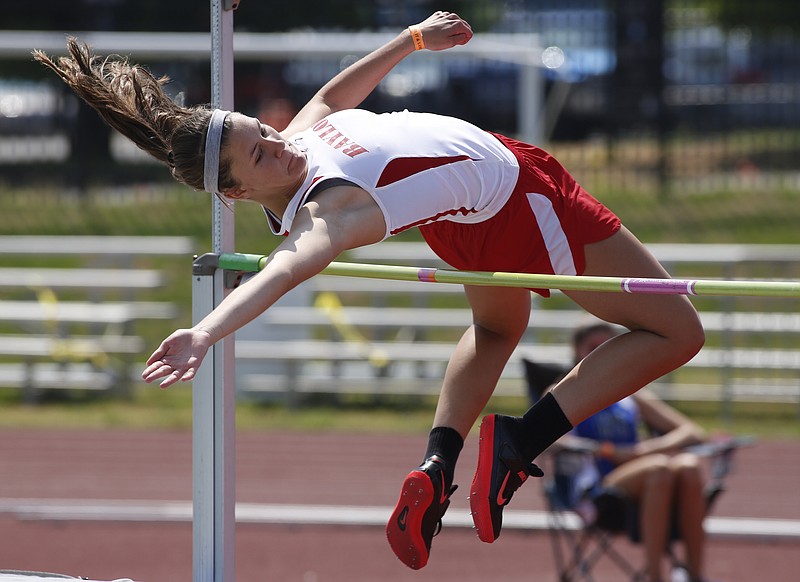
[584, 531]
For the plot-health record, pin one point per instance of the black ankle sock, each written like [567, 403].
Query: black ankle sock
[541, 426]
[445, 443]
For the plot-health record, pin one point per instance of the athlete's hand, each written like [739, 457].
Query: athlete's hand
[444, 30]
[178, 357]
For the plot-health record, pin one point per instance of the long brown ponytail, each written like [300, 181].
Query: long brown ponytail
[132, 101]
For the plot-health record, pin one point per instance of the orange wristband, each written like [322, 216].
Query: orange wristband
[416, 36]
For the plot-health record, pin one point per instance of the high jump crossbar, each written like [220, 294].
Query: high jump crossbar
[214, 390]
[253, 263]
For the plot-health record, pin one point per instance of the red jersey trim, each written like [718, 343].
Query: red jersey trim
[463, 211]
[401, 168]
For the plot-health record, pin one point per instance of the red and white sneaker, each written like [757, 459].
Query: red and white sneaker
[417, 517]
[500, 472]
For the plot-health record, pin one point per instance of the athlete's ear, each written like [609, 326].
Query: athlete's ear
[237, 193]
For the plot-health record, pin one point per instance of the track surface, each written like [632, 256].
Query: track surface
[320, 469]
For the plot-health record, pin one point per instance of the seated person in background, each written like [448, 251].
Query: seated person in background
[666, 484]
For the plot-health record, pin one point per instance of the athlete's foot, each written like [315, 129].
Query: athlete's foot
[417, 517]
[500, 472]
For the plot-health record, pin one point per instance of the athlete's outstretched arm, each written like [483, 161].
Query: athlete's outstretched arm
[338, 219]
[440, 31]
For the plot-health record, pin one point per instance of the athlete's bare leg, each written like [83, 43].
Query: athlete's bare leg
[500, 317]
[665, 331]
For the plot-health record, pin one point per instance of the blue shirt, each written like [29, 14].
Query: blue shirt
[618, 424]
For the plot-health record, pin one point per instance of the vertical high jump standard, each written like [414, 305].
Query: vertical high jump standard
[214, 398]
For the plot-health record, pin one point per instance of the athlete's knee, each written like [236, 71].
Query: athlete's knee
[509, 330]
[694, 337]
[687, 336]
[501, 313]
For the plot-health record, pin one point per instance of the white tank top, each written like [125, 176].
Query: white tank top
[419, 167]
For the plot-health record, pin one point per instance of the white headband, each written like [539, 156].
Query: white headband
[213, 141]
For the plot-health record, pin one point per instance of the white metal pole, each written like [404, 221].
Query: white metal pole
[203, 490]
[530, 103]
[214, 392]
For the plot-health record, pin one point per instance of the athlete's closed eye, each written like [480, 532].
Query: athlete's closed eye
[259, 151]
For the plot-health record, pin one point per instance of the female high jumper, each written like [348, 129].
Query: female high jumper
[338, 177]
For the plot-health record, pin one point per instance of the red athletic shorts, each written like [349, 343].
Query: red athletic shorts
[541, 229]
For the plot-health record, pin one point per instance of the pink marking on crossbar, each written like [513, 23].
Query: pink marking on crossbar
[427, 275]
[656, 286]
